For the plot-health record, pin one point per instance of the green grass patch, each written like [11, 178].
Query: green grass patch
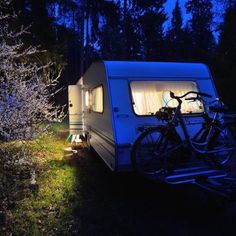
[48, 208]
[58, 127]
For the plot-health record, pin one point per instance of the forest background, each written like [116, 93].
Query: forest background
[76, 33]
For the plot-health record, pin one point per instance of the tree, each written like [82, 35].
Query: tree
[35, 13]
[120, 33]
[227, 38]
[152, 17]
[200, 28]
[226, 54]
[175, 35]
[176, 31]
[90, 16]
[25, 86]
[53, 27]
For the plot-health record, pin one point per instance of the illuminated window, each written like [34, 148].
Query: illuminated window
[97, 99]
[150, 96]
[87, 102]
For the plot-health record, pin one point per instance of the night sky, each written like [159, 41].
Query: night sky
[170, 4]
[218, 10]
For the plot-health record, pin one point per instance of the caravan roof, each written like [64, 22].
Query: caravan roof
[156, 69]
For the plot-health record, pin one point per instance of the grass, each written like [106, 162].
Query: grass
[48, 208]
[81, 196]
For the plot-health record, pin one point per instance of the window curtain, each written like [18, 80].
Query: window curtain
[150, 96]
[146, 98]
[97, 99]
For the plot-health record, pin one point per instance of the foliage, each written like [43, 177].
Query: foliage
[85, 31]
[25, 86]
[226, 54]
[120, 22]
[44, 209]
[152, 18]
[200, 27]
[175, 35]
[228, 34]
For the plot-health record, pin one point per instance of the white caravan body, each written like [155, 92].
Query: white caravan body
[115, 120]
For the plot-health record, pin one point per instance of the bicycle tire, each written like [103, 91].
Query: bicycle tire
[223, 139]
[232, 129]
[148, 155]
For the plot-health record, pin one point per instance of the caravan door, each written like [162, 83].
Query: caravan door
[121, 110]
[75, 100]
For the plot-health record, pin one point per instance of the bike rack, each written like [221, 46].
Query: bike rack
[225, 191]
[206, 177]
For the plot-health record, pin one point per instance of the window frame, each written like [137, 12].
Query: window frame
[91, 105]
[197, 114]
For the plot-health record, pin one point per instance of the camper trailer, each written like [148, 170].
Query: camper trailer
[114, 100]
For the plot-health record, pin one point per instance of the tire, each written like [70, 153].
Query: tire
[232, 129]
[151, 152]
[223, 138]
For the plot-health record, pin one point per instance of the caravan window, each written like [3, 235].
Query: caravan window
[97, 99]
[149, 96]
[87, 103]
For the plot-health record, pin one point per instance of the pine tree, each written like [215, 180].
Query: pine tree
[176, 31]
[119, 35]
[175, 34]
[200, 27]
[226, 55]
[109, 33]
[43, 30]
[227, 39]
[152, 18]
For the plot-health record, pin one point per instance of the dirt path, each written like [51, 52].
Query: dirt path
[126, 204]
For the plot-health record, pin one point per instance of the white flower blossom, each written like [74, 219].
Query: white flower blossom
[25, 98]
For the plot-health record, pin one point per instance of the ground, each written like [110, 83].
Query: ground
[79, 195]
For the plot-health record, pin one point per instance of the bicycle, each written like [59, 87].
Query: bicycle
[223, 129]
[228, 118]
[159, 150]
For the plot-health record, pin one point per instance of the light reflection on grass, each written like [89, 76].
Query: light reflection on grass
[49, 209]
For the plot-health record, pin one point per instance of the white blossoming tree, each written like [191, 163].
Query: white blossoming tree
[26, 88]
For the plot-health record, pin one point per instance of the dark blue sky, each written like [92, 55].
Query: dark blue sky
[170, 4]
[218, 10]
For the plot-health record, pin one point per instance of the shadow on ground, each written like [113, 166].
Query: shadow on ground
[126, 204]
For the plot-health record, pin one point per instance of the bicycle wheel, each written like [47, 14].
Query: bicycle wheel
[232, 129]
[151, 152]
[224, 142]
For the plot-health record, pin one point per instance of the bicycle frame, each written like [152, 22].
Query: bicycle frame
[178, 117]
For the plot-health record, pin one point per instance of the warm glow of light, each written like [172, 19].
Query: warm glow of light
[87, 99]
[150, 96]
[97, 99]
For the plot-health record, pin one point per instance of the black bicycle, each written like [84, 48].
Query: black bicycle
[161, 149]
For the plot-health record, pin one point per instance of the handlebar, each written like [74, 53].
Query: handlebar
[172, 95]
[192, 98]
[179, 98]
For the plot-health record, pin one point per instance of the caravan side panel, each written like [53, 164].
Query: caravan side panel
[127, 124]
[99, 124]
